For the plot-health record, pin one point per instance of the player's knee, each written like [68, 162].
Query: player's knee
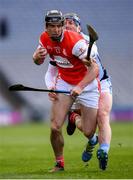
[102, 116]
[89, 133]
[55, 127]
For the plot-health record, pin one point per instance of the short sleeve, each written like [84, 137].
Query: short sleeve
[80, 49]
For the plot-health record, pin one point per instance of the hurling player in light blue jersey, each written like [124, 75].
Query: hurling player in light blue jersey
[72, 22]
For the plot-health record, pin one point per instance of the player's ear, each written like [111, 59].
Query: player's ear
[79, 29]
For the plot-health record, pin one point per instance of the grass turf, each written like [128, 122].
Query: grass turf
[26, 153]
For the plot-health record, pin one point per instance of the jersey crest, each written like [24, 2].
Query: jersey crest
[63, 62]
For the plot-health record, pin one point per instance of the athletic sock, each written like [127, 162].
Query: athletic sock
[93, 139]
[105, 147]
[60, 160]
[73, 116]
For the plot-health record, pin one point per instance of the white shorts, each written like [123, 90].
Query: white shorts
[106, 85]
[89, 97]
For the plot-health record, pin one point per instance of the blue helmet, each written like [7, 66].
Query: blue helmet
[74, 17]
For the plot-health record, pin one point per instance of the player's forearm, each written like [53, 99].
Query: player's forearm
[91, 74]
[50, 76]
[37, 61]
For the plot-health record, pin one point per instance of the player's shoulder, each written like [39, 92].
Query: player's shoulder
[74, 36]
[86, 37]
[44, 35]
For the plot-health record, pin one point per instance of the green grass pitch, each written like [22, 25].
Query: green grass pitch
[26, 153]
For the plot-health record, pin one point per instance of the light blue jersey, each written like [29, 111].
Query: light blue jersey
[95, 55]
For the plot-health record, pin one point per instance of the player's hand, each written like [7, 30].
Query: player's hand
[39, 55]
[77, 90]
[52, 96]
[88, 63]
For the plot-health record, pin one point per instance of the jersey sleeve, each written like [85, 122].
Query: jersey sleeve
[50, 76]
[80, 49]
[94, 51]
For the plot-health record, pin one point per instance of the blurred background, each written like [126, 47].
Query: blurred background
[22, 21]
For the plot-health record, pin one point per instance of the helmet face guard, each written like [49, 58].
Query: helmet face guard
[51, 19]
[74, 17]
[54, 17]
